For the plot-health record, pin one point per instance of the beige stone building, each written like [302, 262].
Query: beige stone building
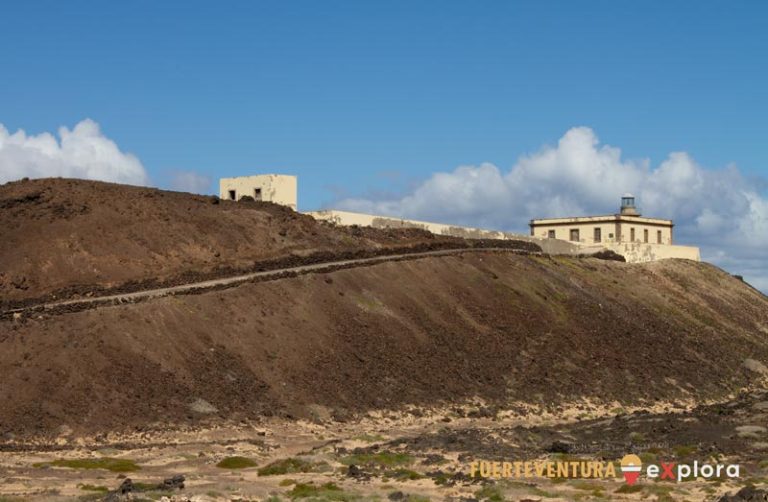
[277, 188]
[636, 238]
[628, 226]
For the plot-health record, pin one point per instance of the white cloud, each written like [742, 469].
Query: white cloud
[189, 181]
[83, 152]
[719, 210]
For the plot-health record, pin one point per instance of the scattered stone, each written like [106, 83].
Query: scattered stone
[750, 431]
[64, 430]
[202, 406]
[746, 494]
[756, 366]
[396, 496]
[122, 493]
[126, 486]
[355, 472]
[433, 458]
[559, 447]
[481, 412]
[174, 483]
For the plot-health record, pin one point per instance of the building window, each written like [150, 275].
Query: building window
[598, 235]
[232, 195]
[610, 237]
[575, 234]
[551, 234]
[257, 194]
[631, 235]
[645, 235]
[658, 236]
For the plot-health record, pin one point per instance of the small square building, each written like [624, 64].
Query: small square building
[278, 188]
[628, 226]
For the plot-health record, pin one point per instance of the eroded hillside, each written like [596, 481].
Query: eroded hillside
[63, 237]
[495, 325]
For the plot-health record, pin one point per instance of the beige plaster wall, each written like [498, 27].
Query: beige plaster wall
[633, 252]
[638, 252]
[586, 231]
[626, 233]
[277, 188]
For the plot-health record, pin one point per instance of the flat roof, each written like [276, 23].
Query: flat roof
[599, 219]
[267, 175]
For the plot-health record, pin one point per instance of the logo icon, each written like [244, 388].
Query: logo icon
[630, 467]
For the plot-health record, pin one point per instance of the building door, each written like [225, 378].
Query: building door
[598, 234]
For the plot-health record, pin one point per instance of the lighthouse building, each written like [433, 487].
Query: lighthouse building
[626, 226]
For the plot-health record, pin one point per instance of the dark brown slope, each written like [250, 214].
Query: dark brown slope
[426, 331]
[62, 237]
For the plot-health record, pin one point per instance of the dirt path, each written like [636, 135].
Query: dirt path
[78, 304]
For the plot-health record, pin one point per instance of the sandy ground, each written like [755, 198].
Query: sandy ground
[420, 455]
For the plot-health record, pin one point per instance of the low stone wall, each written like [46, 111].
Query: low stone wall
[346, 218]
[638, 252]
[633, 252]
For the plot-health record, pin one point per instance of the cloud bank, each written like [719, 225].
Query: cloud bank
[719, 210]
[83, 152]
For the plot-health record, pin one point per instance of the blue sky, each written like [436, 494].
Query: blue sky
[368, 100]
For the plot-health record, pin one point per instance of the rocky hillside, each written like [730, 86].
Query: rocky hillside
[63, 237]
[504, 327]
[499, 326]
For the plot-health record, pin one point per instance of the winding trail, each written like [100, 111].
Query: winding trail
[77, 304]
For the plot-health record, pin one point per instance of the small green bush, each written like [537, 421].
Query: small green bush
[684, 451]
[327, 491]
[285, 466]
[236, 463]
[93, 488]
[107, 463]
[629, 489]
[490, 492]
[403, 475]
